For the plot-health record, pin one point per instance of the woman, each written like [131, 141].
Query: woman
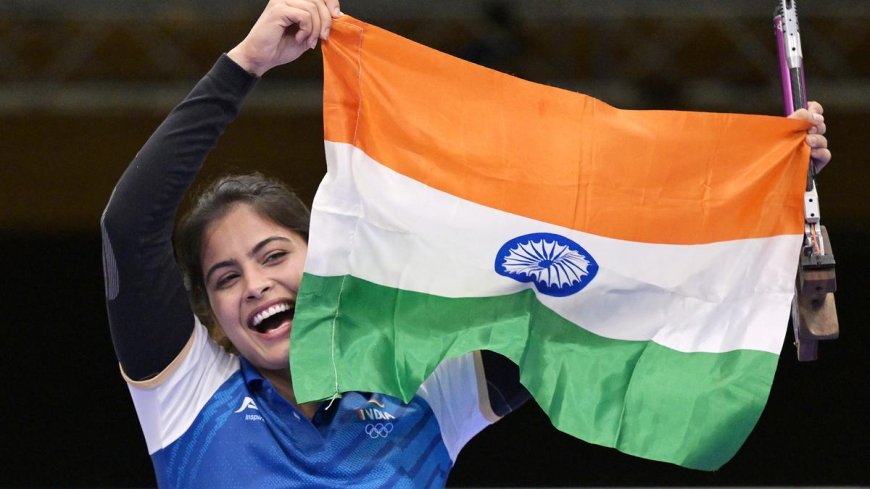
[226, 416]
[221, 416]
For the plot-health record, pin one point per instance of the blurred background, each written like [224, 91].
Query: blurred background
[83, 83]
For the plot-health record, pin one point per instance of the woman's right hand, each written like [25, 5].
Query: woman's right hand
[285, 30]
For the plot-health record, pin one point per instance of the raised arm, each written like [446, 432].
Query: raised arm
[149, 314]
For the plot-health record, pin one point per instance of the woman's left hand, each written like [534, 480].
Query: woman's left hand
[820, 153]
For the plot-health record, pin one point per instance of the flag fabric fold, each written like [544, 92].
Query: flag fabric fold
[638, 266]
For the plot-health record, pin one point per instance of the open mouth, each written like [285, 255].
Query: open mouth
[272, 317]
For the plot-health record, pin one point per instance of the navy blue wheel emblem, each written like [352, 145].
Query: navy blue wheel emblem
[556, 265]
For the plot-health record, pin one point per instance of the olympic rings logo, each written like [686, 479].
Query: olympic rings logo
[379, 430]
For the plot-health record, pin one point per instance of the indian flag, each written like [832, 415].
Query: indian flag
[638, 266]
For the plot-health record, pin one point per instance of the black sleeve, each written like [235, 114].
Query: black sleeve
[149, 314]
[506, 393]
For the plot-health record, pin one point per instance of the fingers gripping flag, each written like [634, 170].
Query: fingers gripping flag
[638, 266]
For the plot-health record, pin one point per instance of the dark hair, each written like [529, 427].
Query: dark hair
[268, 196]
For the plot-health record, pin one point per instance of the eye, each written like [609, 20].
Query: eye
[226, 280]
[275, 257]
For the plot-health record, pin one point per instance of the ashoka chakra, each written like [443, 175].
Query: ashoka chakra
[555, 264]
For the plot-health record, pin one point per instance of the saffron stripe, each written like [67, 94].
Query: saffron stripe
[557, 156]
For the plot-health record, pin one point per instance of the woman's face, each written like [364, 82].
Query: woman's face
[252, 268]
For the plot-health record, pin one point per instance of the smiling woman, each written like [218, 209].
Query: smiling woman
[254, 271]
[218, 410]
[266, 198]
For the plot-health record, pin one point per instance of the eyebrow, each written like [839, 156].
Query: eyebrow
[256, 249]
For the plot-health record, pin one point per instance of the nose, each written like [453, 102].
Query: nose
[258, 285]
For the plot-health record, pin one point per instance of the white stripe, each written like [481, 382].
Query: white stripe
[381, 226]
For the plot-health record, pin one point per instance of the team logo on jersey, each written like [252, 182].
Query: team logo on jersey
[376, 411]
[249, 404]
[556, 265]
[379, 430]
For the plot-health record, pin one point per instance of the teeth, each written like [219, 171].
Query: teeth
[262, 315]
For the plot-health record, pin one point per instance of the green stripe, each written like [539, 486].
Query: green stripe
[692, 409]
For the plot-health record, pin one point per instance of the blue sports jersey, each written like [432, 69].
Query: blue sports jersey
[211, 420]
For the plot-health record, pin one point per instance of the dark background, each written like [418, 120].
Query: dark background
[84, 84]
